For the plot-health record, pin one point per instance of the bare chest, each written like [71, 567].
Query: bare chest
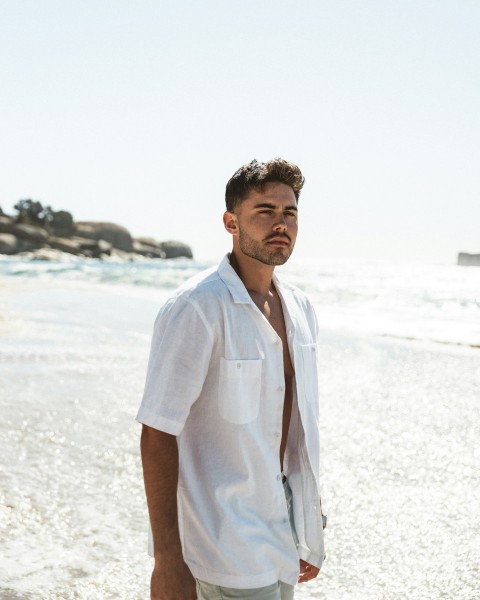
[273, 312]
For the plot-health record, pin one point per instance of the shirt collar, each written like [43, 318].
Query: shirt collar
[233, 282]
[236, 286]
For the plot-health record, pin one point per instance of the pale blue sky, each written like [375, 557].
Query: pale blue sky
[138, 112]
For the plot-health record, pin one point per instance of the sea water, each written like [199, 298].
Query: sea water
[400, 409]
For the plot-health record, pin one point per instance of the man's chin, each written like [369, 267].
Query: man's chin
[271, 256]
[277, 259]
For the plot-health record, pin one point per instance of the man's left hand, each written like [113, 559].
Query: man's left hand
[307, 572]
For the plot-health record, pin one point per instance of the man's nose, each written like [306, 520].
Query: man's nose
[280, 223]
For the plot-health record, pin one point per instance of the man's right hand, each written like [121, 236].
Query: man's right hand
[172, 580]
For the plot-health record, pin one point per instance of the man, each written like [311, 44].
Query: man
[230, 444]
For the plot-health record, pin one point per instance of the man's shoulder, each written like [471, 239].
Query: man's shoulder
[201, 288]
[195, 300]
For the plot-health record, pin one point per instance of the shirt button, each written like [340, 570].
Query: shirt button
[239, 365]
[280, 388]
[279, 477]
[275, 342]
[315, 507]
[277, 434]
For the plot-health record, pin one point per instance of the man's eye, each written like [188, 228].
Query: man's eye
[291, 214]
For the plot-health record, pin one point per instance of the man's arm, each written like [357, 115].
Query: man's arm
[308, 571]
[171, 577]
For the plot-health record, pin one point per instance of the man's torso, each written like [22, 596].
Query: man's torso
[239, 371]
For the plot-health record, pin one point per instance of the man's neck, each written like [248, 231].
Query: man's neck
[256, 276]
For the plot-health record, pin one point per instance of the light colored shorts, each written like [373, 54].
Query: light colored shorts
[276, 591]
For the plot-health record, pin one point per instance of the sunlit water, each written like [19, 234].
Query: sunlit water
[400, 427]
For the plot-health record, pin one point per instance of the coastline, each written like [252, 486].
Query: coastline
[399, 437]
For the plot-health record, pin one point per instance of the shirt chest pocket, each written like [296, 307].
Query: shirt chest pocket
[239, 390]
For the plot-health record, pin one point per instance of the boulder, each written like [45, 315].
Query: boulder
[92, 248]
[25, 245]
[174, 249]
[8, 243]
[30, 232]
[468, 260]
[6, 224]
[116, 235]
[104, 248]
[84, 242]
[148, 241]
[61, 223]
[122, 255]
[80, 246]
[147, 250]
[65, 245]
[11, 244]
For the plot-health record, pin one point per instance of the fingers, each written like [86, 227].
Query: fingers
[307, 572]
[304, 577]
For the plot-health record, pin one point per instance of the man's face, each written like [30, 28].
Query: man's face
[267, 224]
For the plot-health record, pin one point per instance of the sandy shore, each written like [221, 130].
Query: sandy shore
[400, 429]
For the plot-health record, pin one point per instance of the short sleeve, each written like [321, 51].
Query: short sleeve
[179, 358]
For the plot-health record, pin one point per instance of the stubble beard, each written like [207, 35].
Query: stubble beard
[268, 256]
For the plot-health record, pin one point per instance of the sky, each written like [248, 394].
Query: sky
[138, 112]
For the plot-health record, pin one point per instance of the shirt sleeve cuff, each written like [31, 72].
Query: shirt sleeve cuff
[310, 557]
[156, 421]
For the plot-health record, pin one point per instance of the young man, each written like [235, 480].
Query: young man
[230, 443]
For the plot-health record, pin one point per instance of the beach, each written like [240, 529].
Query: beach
[400, 427]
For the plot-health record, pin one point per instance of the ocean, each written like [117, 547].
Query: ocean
[400, 426]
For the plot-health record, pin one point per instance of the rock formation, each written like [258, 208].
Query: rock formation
[116, 235]
[468, 260]
[43, 233]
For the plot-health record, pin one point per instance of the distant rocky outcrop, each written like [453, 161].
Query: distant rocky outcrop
[116, 235]
[468, 260]
[40, 232]
[174, 249]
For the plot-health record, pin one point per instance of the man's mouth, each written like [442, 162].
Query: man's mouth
[279, 241]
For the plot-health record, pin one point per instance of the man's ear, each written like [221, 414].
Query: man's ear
[230, 222]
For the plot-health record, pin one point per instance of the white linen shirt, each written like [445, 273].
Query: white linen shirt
[216, 380]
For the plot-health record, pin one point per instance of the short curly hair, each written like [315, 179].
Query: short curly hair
[255, 175]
